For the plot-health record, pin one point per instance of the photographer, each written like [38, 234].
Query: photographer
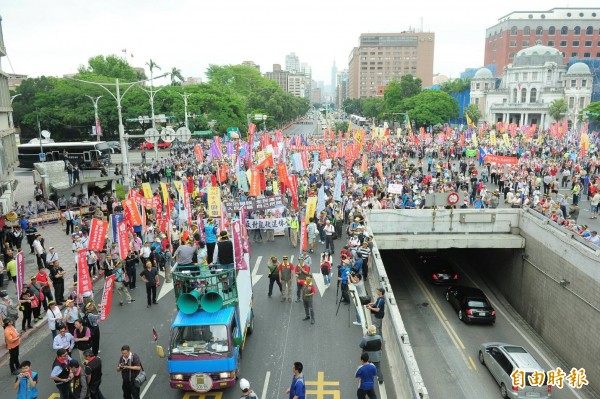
[359, 285]
[343, 278]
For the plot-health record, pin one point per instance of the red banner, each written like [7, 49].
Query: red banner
[282, 173]
[84, 282]
[131, 212]
[267, 163]
[106, 303]
[20, 272]
[238, 247]
[123, 239]
[254, 184]
[198, 152]
[501, 160]
[294, 190]
[307, 147]
[379, 167]
[98, 229]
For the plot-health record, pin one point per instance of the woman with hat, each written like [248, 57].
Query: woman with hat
[70, 315]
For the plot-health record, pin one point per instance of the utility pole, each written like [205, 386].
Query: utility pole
[96, 118]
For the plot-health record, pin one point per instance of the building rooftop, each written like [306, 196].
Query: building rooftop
[537, 55]
[579, 68]
[483, 73]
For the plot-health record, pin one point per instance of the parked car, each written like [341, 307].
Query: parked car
[502, 359]
[149, 146]
[471, 303]
[115, 146]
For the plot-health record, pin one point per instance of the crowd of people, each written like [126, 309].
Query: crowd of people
[347, 177]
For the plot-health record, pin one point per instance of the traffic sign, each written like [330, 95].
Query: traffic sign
[453, 198]
[151, 135]
[167, 134]
[183, 134]
[258, 117]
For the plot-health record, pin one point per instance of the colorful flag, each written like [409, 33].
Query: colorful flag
[214, 201]
[311, 207]
[105, 304]
[20, 260]
[98, 229]
[238, 248]
[123, 239]
[84, 282]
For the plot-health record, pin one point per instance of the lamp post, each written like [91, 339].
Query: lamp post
[118, 98]
[265, 117]
[185, 105]
[13, 97]
[96, 118]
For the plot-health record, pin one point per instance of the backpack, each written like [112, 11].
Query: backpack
[12, 312]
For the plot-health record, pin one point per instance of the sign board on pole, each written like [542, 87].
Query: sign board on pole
[258, 117]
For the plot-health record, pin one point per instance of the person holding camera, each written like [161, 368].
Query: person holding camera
[129, 366]
[377, 309]
[26, 382]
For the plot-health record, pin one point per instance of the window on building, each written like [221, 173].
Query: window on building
[589, 30]
[577, 30]
[550, 43]
[539, 31]
[571, 102]
[564, 31]
[511, 55]
[549, 75]
[514, 96]
[552, 30]
[563, 43]
[574, 54]
[525, 43]
[534, 75]
[523, 95]
[584, 83]
[573, 83]
[597, 55]
[527, 30]
[477, 101]
[477, 86]
[525, 76]
[588, 43]
[575, 43]
[486, 86]
[581, 102]
[533, 96]
[587, 55]
[512, 43]
[514, 31]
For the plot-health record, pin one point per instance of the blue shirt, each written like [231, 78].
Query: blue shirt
[297, 388]
[26, 392]
[366, 373]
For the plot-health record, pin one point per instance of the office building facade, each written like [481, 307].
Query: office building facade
[278, 75]
[382, 57]
[575, 32]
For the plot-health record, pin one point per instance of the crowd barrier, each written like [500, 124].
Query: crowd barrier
[55, 216]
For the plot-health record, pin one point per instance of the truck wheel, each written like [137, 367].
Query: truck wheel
[251, 326]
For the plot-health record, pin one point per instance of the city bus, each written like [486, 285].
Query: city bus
[86, 154]
[358, 120]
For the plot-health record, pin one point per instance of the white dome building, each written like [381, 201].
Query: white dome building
[536, 77]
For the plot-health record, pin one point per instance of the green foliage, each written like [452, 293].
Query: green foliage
[431, 107]
[121, 194]
[352, 106]
[474, 113]
[456, 85]
[373, 107]
[176, 76]
[557, 109]
[593, 111]
[107, 67]
[398, 91]
[340, 126]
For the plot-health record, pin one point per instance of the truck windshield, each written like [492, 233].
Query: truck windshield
[197, 340]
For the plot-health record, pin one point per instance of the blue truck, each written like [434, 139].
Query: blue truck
[209, 331]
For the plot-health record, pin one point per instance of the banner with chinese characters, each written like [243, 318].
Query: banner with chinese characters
[20, 272]
[123, 239]
[131, 212]
[238, 247]
[501, 160]
[84, 282]
[147, 190]
[214, 201]
[106, 303]
[266, 224]
[98, 229]
[253, 204]
[311, 207]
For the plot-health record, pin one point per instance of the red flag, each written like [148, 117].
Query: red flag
[154, 335]
[282, 173]
[98, 229]
[267, 163]
[84, 282]
[304, 157]
[325, 135]
[303, 234]
[107, 292]
[123, 239]
[331, 135]
[379, 169]
[198, 152]
[131, 212]
[254, 184]
[262, 180]
[293, 179]
[363, 165]
[251, 130]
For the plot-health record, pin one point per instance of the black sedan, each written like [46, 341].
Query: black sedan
[472, 304]
[441, 272]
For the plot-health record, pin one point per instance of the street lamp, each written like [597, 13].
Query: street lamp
[118, 98]
[185, 105]
[13, 97]
[96, 118]
[265, 117]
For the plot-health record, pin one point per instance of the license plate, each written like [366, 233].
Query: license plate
[482, 314]
[533, 394]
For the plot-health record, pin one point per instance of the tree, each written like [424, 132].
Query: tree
[409, 86]
[352, 106]
[431, 107]
[557, 109]
[456, 86]
[340, 126]
[175, 76]
[373, 107]
[593, 111]
[152, 66]
[473, 112]
[108, 67]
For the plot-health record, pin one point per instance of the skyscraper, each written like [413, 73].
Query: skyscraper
[292, 63]
[573, 31]
[382, 57]
[333, 78]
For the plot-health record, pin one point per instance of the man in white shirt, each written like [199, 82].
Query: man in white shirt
[594, 238]
[64, 339]
[51, 257]
[68, 216]
[38, 249]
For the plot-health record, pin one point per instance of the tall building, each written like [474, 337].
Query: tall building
[315, 97]
[252, 64]
[307, 71]
[333, 78]
[535, 78]
[341, 92]
[573, 31]
[297, 84]
[8, 144]
[292, 63]
[279, 76]
[382, 57]
[15, 79]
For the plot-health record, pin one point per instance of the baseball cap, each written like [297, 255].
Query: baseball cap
[244, 384]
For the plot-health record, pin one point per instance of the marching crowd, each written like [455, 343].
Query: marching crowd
[346, 178]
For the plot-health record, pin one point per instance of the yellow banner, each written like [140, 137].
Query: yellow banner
[493, 137]
[506, 139]
[147, 190]
[165, 193]
[178, 187]
[275, 187]
[398, 132]
[311, 207]
[214, 201]
[475, 141]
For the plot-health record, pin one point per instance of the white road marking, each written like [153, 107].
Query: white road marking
[166, 287]
[255, 276]
[382, 392]
[292, 259]
[320, 281]
[148, 385]
[265, 385]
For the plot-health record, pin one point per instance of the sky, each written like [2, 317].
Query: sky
[53, 38]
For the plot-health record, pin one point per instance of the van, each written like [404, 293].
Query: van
[502, 359]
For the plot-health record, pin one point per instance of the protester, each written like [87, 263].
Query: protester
[13, 340]
[26, 382]
[129, 365]
[366, 373]
[297, 389]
